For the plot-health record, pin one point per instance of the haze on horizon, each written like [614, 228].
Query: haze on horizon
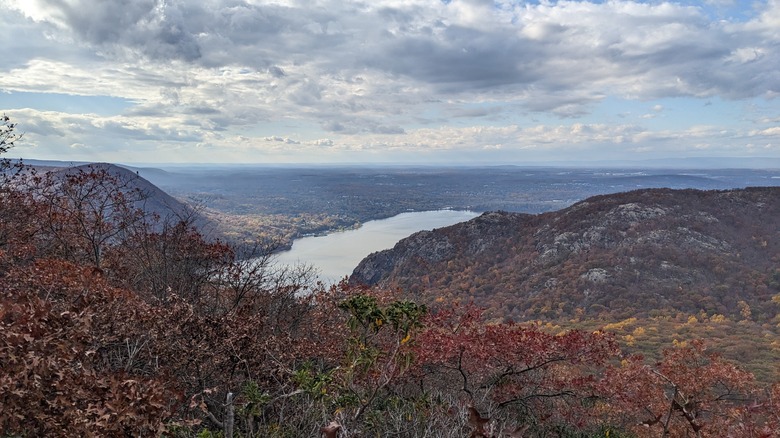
[413, 81]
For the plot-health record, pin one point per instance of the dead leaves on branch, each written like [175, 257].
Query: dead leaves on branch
[54, 381]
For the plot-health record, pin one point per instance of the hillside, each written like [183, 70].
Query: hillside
[641, 253]
[112, 332]
[151, 199]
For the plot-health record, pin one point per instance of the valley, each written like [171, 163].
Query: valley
[651, 291]
[573, 303]
[286, 202]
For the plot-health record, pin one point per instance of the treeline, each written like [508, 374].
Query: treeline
[117, 323]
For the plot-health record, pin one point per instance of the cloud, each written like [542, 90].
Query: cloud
[285, 140]
[361, 125]
[381, 72]
[149, 25]
[534, 52]
[275, 71]
[102, 131]
[769, 132]
[323, 142]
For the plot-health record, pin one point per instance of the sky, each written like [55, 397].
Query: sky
[390, 81]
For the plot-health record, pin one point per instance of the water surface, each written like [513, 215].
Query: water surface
[335, 255]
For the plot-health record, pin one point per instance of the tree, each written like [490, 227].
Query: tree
[519, 372]
[690, 392]
[66, 366]
[378, 352]
[7, 134]
[86, 210]
[174, 259]
[17, 209]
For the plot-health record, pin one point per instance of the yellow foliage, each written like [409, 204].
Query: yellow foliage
[620, 325]
[692, 319]
[639, 331]
[630, 340]
[744, 309]
[679, 344]
[717, 318]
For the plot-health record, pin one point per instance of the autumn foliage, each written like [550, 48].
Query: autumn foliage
[115, 323]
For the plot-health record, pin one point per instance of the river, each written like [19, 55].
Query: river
[335, 255]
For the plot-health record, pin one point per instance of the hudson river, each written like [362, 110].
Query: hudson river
[335, 255]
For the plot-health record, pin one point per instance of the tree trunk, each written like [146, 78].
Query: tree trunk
[229, 416]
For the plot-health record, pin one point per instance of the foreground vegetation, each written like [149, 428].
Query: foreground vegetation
[118, 323]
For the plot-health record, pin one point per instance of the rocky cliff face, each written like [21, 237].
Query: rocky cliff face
[620, 254]
[434, 247]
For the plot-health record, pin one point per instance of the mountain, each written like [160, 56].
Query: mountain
[154, 200]
[641, 253]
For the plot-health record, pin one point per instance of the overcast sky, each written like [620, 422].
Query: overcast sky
[418, 81]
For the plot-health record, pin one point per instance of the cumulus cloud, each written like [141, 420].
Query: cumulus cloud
[285, 140]
[774, 131]
[458, 46]
[382, 72]
[323, 142]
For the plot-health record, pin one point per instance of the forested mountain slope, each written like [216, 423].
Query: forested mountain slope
[145, 195]
[640, 253]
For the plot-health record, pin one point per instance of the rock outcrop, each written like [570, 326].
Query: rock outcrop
[622, 254]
